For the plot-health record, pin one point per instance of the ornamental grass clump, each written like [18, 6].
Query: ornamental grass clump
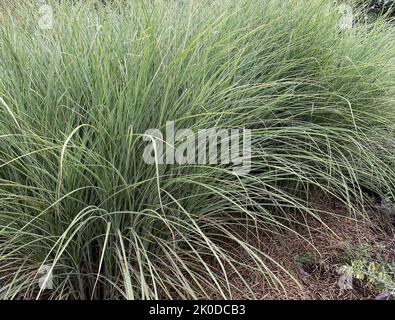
[80, 207]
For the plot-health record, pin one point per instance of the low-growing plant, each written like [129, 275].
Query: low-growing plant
[379, 277]
[306, 261]
[356, 252]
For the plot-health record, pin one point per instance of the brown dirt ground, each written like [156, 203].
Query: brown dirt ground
[319, 281]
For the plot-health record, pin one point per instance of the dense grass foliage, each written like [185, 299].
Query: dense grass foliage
[379, 7]
[366, 11]
[75, 101]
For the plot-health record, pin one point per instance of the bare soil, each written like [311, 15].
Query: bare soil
[314, 264]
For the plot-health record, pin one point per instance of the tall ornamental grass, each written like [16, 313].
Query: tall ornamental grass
[77, 199]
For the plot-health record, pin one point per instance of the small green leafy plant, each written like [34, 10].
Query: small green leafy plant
[306, 261]
[369, 266]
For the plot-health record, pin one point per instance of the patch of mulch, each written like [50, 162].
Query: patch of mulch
[323, 246]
